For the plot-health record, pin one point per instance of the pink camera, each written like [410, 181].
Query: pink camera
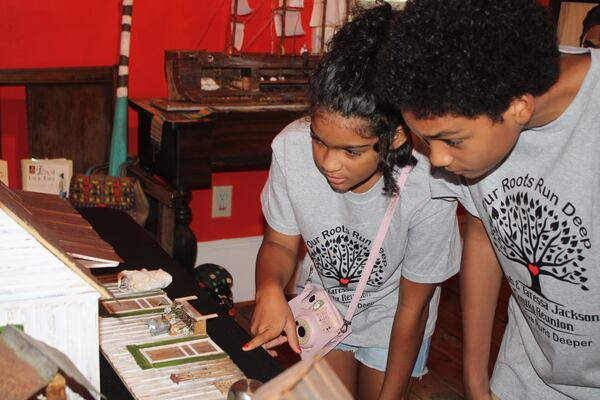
[319, 325]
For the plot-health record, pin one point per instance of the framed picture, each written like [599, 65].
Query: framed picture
[569, 16]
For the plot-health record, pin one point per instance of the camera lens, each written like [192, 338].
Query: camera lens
[303, 331]
[311, 298]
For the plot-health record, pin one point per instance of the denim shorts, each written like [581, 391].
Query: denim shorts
[376, 358]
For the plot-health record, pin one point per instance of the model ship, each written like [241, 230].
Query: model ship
[206, 77]
[236, 77]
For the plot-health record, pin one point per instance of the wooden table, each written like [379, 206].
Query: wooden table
[191, 147]
[139, 250]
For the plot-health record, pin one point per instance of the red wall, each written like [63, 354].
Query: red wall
[61, 33]
[64, 33]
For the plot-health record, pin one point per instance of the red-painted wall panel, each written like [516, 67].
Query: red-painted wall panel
[57, 33]
[62, 33]
[245, 208]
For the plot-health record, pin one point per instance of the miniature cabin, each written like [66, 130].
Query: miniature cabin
[46, 291]
[308, 379]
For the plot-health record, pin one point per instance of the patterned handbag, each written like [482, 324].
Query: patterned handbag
[102, 191]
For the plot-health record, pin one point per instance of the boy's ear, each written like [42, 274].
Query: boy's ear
[521, 109]
[400, 137]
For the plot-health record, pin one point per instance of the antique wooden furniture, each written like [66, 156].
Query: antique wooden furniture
[191, 149]
[221, 114]
[69, 111]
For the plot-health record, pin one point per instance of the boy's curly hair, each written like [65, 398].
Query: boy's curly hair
[343, 83]
[467, 57]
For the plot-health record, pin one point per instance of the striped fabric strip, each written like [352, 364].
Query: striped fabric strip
[118, 145]
[123, 77]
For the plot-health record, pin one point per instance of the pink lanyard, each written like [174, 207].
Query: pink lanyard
[383, 228]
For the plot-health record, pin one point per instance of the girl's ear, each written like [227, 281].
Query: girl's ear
[400, 137]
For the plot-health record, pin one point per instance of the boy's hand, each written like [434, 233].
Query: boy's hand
[272, 323]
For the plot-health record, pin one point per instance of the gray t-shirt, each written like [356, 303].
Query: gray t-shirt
[422, 243]
[540, 209]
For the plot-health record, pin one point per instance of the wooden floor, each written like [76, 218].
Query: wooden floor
[444, 380]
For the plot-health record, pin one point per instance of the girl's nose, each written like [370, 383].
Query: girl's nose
[329, 161]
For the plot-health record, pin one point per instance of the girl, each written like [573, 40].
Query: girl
[330, 182]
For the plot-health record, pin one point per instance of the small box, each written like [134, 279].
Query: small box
[50, 176]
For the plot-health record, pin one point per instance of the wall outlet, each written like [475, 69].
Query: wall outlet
[221, 201]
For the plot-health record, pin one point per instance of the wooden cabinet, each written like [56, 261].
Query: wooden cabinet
[69, 111]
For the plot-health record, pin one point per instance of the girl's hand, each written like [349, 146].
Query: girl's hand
[272, 323]
[482, 393]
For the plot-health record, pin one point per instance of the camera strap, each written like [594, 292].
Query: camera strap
[374, 253]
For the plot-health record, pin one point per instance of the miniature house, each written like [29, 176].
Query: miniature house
[44, 290]
[311, 378]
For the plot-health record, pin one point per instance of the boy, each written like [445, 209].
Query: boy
[590, 35]
[482, 82]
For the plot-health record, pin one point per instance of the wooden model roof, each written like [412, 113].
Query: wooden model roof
[57, 226]
[307, 379]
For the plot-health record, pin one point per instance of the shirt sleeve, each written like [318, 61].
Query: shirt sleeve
[434, 248]
[445, 185]
[276, 203]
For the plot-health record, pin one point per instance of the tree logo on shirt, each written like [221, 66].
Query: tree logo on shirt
[542, 238]
[342, 255]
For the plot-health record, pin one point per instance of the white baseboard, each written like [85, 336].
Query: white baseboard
[238, 256]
